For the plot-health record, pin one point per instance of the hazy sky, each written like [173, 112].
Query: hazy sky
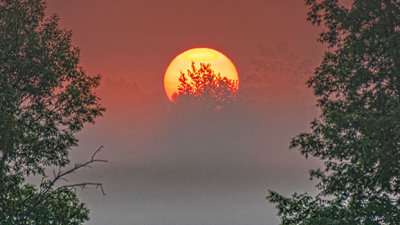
[173, 166]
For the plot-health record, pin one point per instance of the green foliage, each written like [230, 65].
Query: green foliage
[203, 85]
[45, 98]
[60, 206]
[358, 133]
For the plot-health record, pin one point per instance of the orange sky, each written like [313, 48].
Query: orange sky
[137, 39]
[175, 168]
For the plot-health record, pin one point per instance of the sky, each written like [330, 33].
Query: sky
[174, 166]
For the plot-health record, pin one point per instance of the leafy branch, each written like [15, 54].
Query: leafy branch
[48, 185]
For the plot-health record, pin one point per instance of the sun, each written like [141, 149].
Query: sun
[220, 63]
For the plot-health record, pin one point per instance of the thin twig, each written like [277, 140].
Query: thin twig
[83, 185]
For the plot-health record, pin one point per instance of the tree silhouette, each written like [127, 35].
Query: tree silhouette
[358, 133]
[45, 98]
[204, 86]
[278, 76]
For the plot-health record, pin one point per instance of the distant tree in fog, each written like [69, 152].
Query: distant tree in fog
[277, 73]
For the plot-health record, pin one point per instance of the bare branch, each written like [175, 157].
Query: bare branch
[84, 185]
[77, 166]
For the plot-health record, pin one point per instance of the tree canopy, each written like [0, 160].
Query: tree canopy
[203, 85]
[45, 98]
[357, 135]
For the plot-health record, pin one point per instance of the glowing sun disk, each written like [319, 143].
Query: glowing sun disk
[181, 63]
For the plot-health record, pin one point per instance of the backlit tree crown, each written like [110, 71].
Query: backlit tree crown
[204, 85]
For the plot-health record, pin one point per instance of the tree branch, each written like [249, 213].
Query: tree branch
[60, 175]
[84, 185]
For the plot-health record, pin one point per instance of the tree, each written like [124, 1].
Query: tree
[45, 98]
[276, 69]
[205, 86]
[358, 133]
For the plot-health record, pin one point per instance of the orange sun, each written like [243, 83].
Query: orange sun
[181, 63]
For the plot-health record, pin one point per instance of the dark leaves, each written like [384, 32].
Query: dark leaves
[357, 135]
[203, 86]
[45, 98]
